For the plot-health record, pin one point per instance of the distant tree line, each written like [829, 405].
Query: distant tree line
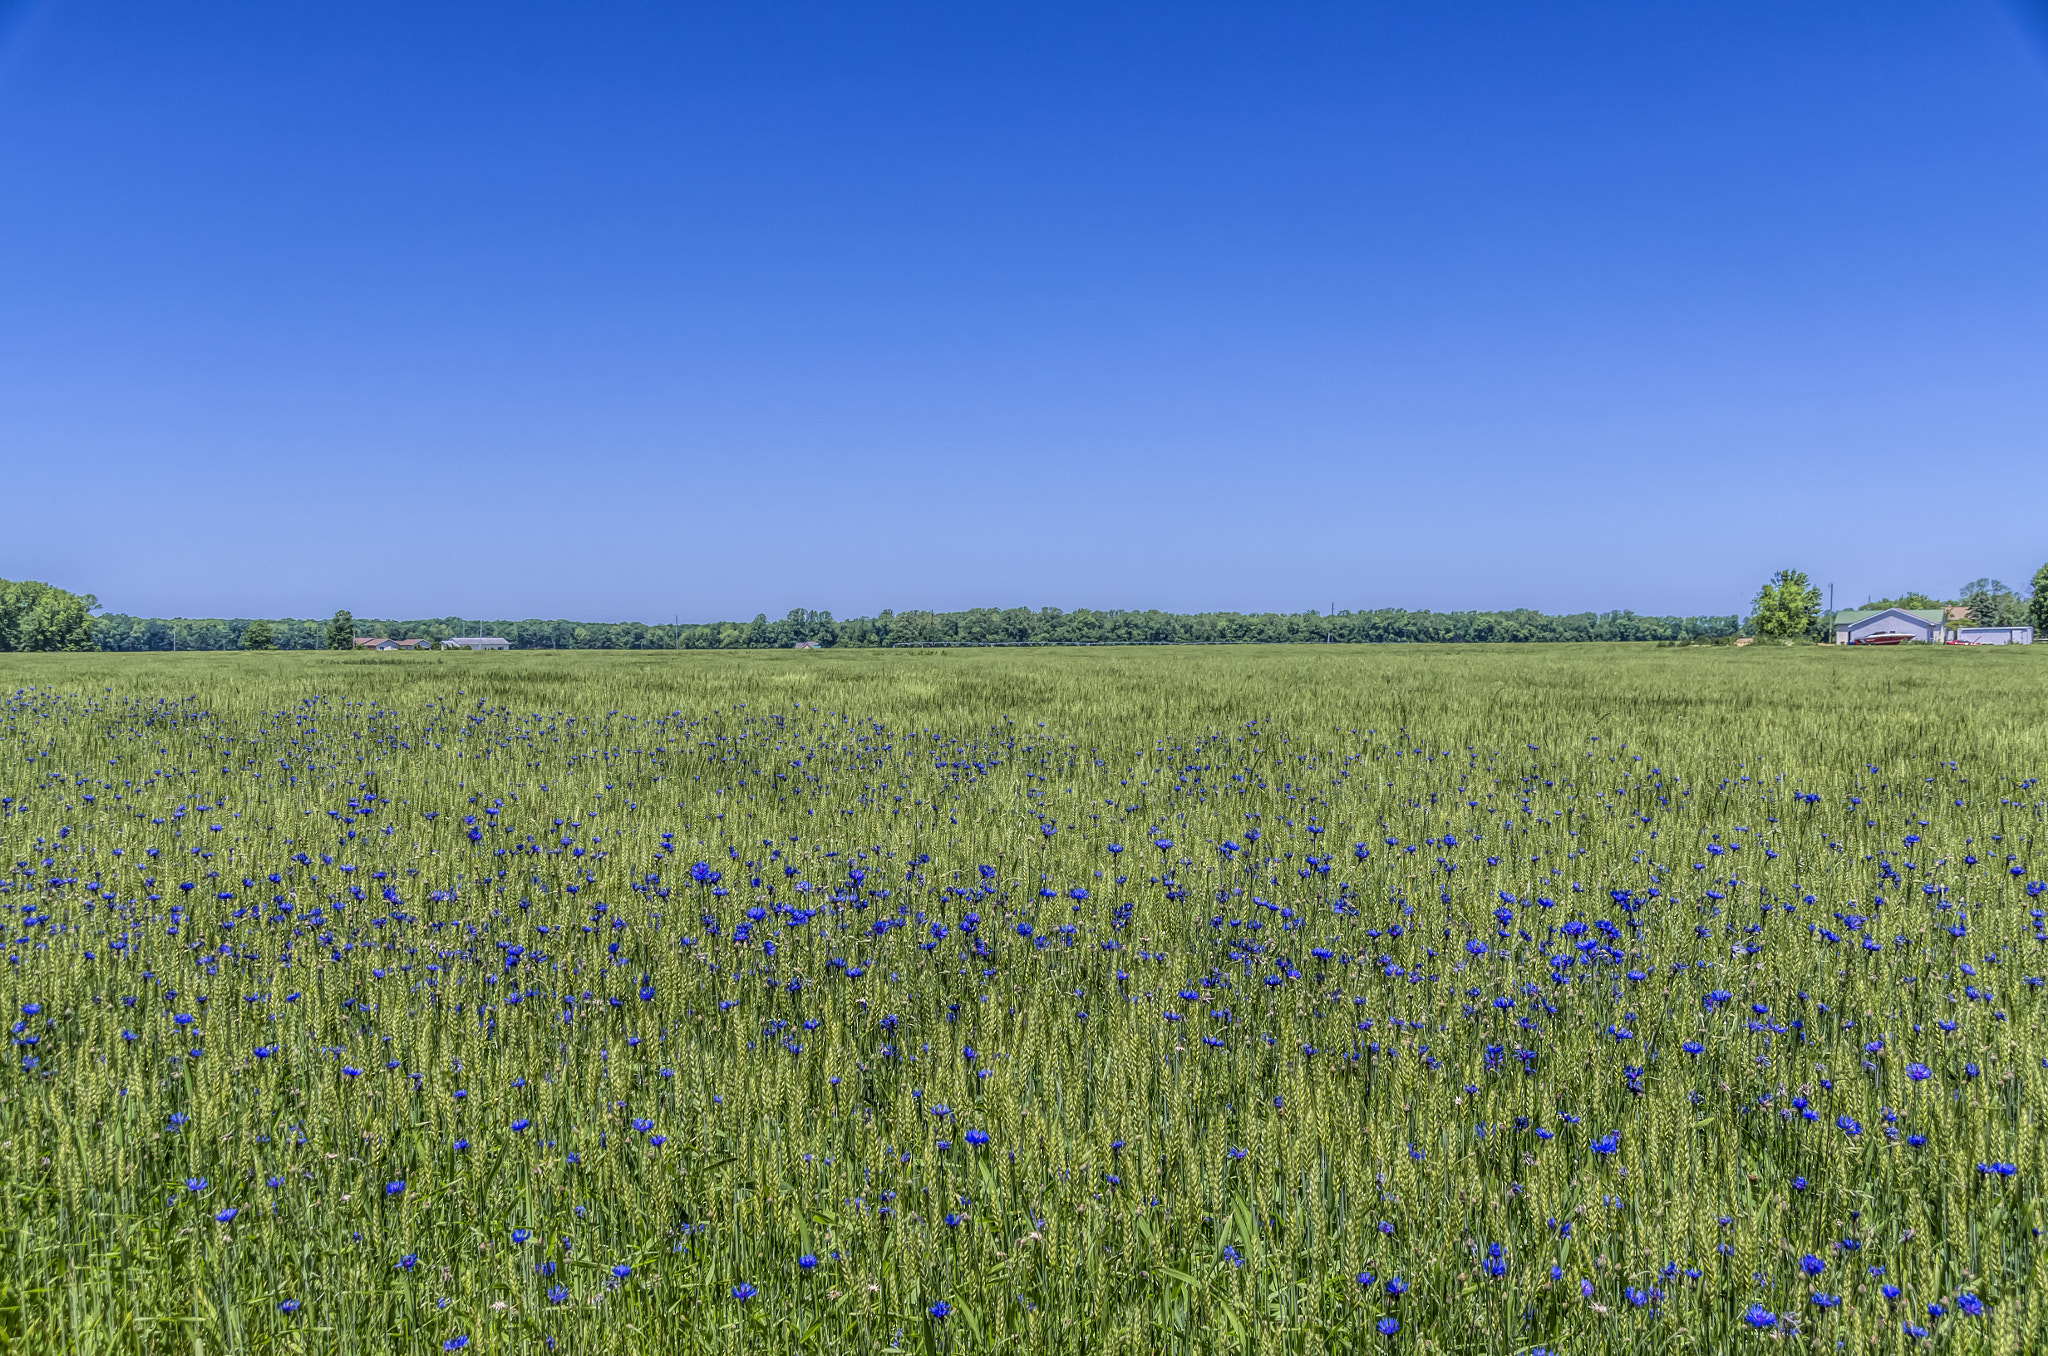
[37, 616]
[976, 626]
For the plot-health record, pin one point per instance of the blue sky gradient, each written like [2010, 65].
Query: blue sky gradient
[642, 312]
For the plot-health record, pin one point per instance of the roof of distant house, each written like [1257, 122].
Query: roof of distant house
[1932, 615]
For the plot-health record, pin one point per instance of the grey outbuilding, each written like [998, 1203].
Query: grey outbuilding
[1890, 626]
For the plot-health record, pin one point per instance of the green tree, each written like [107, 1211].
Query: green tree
[257, 636]
[1991, 603]
[2037, 606]
[341, 632]
[37, 616]
[1788, 606]
[1911, 602]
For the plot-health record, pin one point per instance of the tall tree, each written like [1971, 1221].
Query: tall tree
[2037, 606]
[1787, 606]
[341, 632]
[37, 616]
[1992, 603]
[257, 636]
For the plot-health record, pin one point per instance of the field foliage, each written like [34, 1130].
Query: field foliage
[1592, 1000]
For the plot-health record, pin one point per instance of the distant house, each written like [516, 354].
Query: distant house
[476, 643]
[1995, 635]
[414, 644]
[375, 643]
[1890, 626]
[807, 645]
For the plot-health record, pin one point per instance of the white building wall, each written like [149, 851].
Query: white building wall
[1893, 625]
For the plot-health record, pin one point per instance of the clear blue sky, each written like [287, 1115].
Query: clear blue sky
[616, 311]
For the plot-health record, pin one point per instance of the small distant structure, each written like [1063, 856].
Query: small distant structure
[476, 643]
[807, 645]
[1891, 626]
[375, 643]
[414, 644]
[1995, 635]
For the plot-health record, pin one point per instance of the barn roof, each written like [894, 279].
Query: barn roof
[1933, 616]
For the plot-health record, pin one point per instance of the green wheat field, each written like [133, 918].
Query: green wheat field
[1458, 999]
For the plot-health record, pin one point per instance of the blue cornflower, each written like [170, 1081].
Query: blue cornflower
[394, 1188]
[806, 1262]
[1759, 1317]
[1812, 1265]
[225, 1216]
[290, 1306]
[621, 1272]
[1396, 1287]
[939, 1310]
[456, 1343]
[744, 1292]
[1388, 1326]
[1970, 1304]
